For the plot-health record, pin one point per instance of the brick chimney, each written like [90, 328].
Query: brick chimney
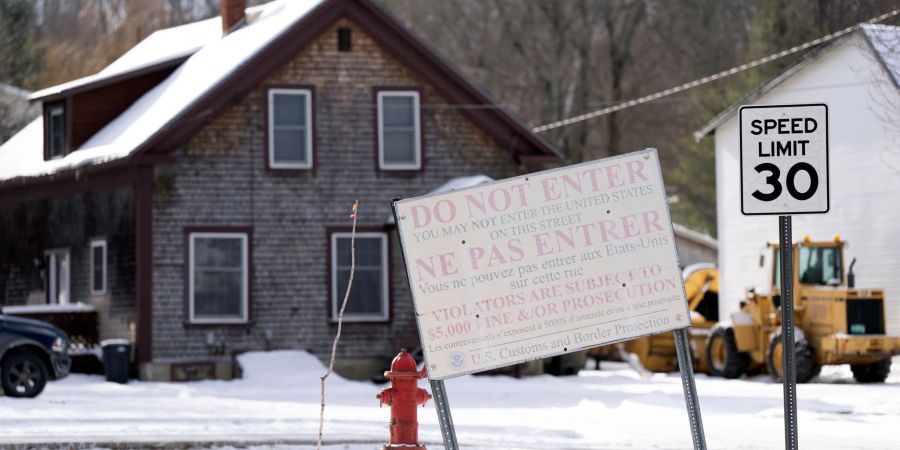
[232, 12]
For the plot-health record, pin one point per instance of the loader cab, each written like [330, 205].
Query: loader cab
[815, 264]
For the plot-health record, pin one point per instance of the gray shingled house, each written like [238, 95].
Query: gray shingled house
[194, 195]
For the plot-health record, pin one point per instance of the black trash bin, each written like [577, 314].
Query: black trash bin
[116, 359]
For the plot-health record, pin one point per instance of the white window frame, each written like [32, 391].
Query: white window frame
[417, 141]
[309, 128]
[51, 113]
[94, 244]
[385, 275]
[245, 316]
[54, 279]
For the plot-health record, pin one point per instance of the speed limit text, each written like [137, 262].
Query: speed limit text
[791, 126]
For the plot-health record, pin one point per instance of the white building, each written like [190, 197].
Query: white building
[858, 77]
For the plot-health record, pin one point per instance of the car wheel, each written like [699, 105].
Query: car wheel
[23, 375]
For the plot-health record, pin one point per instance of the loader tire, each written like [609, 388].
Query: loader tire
[722, 355]
[872, 373]
[804, 360]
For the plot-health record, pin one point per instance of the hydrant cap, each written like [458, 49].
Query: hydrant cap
[403, 362]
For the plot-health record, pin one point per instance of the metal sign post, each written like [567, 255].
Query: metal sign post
[784, 171]
[789, 370]
[448, 432]
[682, 348]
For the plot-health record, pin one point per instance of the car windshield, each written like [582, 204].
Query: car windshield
[820, 265]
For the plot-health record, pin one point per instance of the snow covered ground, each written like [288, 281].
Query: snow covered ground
[276, 406]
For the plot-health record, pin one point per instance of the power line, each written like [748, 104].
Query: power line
[684, 98]
[710, 78]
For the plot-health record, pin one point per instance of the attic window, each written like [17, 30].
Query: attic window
[345, 40]
[56, 132]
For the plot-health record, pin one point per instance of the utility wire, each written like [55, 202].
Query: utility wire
[710, 78]
[683, 98]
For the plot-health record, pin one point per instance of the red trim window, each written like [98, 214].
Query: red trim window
[369, 294]
[399, 130]
[218, 277]
[290, 131]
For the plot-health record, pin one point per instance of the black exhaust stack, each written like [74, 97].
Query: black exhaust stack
[851, 277]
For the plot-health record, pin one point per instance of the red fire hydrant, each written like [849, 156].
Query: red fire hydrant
[404, 396]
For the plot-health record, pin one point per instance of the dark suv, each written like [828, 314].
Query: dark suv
[31, 352]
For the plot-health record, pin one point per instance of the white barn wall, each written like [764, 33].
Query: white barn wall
[865, 178]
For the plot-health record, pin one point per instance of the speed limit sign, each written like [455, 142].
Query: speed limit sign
[784, 159]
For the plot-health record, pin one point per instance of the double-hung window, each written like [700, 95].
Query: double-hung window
[56, 132]
[368, 299]
[98, 266]
[290, 128]
[218, 281]
[399, 131]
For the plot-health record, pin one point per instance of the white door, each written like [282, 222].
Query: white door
[59, 269]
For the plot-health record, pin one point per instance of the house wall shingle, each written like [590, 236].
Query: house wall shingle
[220, 179]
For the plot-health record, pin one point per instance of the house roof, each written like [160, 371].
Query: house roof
[883, 40]
[220, 69]
[14, 110]
[13, 91]
[697, 237]
[162, 48]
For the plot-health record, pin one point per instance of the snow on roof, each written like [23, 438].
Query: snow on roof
[705, 240]
[884, 40]
[161, 46]
[460, 183]
[204, 70]
[22, 156]
[167, 44]
[453, 185]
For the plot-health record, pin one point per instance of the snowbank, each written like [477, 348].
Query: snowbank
[277, 401]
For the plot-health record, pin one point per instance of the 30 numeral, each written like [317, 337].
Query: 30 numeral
[773, 180]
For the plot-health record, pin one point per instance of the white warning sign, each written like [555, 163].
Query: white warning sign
[544, 264]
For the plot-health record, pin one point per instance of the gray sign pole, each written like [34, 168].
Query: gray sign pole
[682, 348]
[788, 368]
[448, 432]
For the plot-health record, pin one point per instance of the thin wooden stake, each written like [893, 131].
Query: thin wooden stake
[340, 322]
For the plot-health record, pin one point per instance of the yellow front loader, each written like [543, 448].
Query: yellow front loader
[835, 322]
